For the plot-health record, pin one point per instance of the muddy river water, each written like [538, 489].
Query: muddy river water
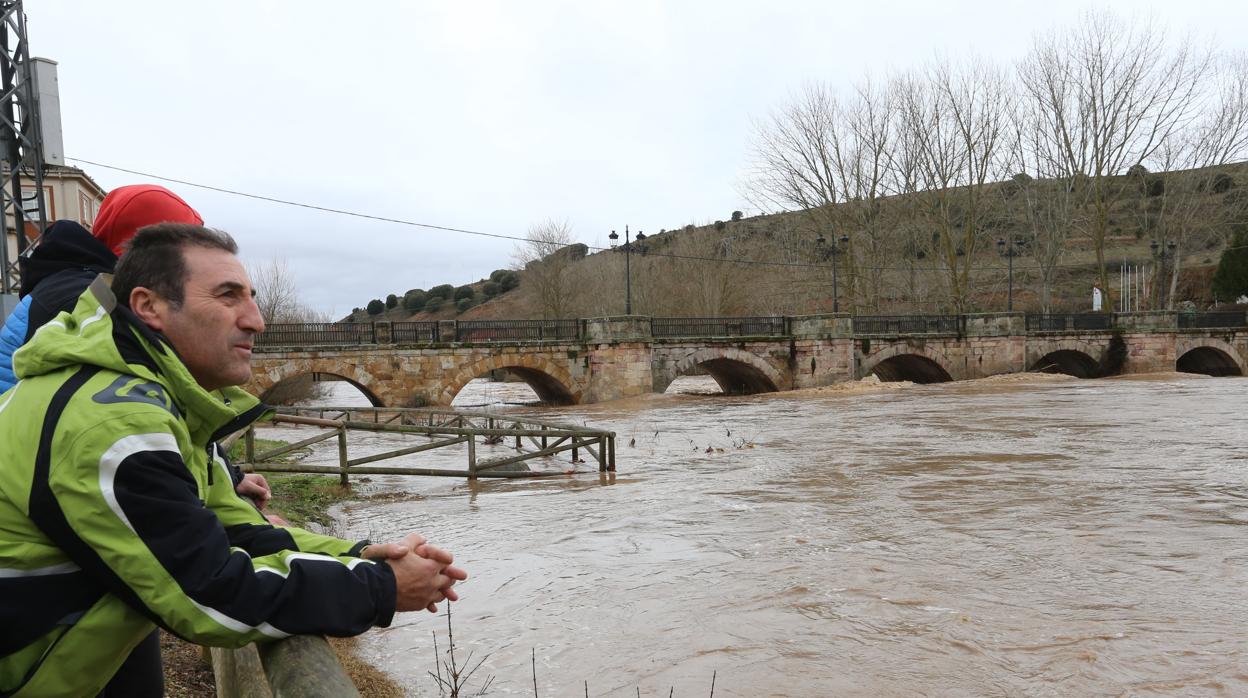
[1030, 536]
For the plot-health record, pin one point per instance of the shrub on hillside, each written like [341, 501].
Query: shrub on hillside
[491, 289]
[414, 300]
[497, 275]
[737, 215]
[442, 291]
[375, 306]
[466, 303]
[509, 281]
[434, 304]
[392, 302]
[1230, 281]
[1154, 186]
[464, 292]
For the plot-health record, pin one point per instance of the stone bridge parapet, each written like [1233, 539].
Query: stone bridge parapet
[619, 357]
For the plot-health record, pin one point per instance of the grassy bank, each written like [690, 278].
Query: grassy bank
[300, 499]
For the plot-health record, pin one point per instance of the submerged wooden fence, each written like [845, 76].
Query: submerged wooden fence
[530, 438]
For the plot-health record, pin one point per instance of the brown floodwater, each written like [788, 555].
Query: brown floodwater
[1029, 536]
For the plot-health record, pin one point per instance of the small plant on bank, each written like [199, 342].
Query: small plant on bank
[455, 682]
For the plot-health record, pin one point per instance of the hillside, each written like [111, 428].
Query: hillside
[772, 264]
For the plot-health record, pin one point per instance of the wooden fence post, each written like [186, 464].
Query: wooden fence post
[342, 456]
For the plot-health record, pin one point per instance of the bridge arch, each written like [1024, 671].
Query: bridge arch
[1072, 357]
[1071, 362]
[1210, 356]
[737, 372]
[290, 370]
[551, 382]
[902, 362]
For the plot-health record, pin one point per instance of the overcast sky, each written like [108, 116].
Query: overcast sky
[486, 116]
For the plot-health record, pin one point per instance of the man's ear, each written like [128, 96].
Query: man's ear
[149, 307]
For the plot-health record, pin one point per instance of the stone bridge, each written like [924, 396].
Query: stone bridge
[617, 357]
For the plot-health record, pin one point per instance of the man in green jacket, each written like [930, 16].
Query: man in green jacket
[118, 516]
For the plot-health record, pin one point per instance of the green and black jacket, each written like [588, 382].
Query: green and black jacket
[117, 514]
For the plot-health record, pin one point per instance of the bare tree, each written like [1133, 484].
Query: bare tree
[827, 160]
[1111, 94]
[277, 295]
[953, 131]
[793, 166]
[546, 258]
[1185, 207]
[1048, 195]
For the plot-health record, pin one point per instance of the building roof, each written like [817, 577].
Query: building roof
[64, 172]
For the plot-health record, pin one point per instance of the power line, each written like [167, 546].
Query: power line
[286, 202]
[500, 236]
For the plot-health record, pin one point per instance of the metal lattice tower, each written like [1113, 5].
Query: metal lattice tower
[21, 143]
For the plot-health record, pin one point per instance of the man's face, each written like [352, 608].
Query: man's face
[215, 327]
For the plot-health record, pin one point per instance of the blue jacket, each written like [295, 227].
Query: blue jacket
[53, 276]
[12, 337]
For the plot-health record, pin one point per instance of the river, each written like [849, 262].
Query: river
[1026, 536]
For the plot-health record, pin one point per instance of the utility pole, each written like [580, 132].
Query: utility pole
[21, 142]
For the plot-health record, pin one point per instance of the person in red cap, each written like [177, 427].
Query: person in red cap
[128, 208]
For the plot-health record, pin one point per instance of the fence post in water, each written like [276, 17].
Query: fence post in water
[472, 456]
[543, 437]
[342, 456]
[611, 460]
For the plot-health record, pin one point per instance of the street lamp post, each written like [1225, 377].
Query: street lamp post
[628, 267]
[833, 250]
[1010, 250]
[1160, 253]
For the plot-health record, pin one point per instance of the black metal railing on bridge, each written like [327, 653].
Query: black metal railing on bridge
[401, 332]
[717, 326]
[302, 334]
[516, 330]
[1069, 322]
[1213, 319]
[907, 324]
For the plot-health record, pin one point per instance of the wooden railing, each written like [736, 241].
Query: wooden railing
[302, 665]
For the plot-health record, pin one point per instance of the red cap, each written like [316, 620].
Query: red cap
[128, 208]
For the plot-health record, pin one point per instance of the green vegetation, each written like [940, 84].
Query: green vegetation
[443, 291]
[297, 498]
[303, 498]
[1230, 281]
[414, 300]
[375, 307]
[392, 301]
[464, 292]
